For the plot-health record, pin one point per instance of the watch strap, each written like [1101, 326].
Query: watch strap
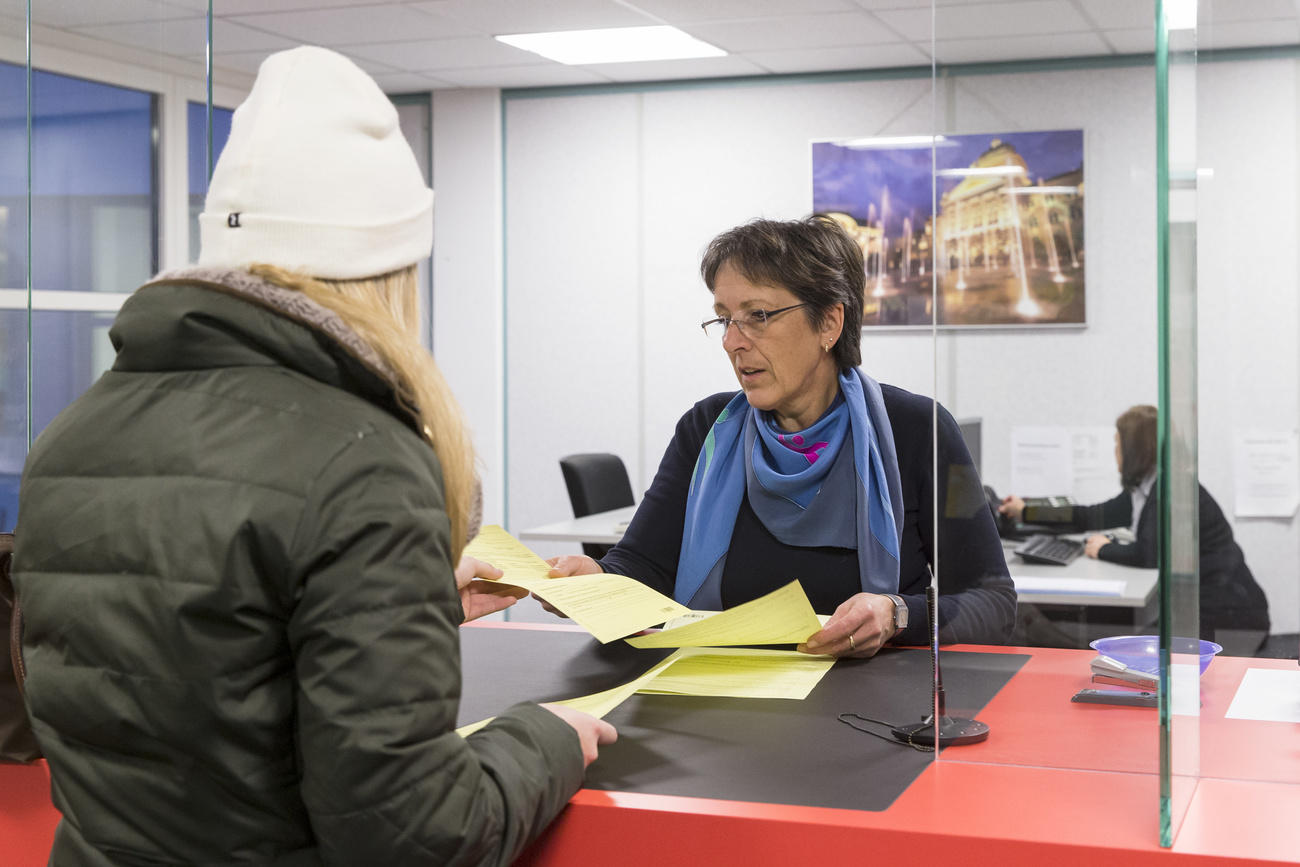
[900, 612]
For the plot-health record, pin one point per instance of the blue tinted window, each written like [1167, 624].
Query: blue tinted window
[93, 228]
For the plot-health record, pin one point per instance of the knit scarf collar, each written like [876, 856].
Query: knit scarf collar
[836, 484]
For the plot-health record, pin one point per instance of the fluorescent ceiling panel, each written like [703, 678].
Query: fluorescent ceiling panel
[613, 45]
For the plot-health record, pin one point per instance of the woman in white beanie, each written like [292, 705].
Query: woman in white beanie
[235, 552]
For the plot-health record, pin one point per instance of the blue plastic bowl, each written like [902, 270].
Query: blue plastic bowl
[1142, 652]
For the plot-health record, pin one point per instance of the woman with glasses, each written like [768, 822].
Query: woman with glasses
[813, 470]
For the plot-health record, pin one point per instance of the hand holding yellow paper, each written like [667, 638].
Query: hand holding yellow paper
[607, 606]
[784, 616]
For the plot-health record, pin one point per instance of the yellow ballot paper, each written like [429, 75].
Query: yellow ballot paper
[597, 704]
[607, 606]
[740, 672]
[784, 616]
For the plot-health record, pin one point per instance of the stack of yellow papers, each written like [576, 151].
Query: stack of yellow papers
[739, 672]
[730, 672]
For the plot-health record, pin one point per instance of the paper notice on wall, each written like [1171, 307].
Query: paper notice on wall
[1095, 475]
[1042, 461]
[1267, 470]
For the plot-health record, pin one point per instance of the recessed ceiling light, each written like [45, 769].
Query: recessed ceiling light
[613, 45]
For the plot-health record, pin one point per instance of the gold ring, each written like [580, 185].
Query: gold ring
[850, 642]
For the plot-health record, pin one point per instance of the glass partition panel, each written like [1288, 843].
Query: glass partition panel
[1047, 323]
[1231, 367]
[198, 163]
[13, 285]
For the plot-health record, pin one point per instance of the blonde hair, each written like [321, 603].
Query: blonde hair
[383, 311]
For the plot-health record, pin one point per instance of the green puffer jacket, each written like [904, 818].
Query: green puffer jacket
[241, 636]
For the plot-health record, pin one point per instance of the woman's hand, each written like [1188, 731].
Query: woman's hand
[480, 598]
[1095, 543]
[1012, 506]
[563, 567]
[858, 628]
[592, 732]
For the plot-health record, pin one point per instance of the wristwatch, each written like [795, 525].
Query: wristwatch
[900, 613]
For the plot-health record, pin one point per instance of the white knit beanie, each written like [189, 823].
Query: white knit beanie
[316, 176]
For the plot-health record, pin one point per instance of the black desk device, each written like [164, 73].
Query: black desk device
[1049, 550]
[952, 730]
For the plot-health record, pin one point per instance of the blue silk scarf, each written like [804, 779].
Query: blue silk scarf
[836, 483]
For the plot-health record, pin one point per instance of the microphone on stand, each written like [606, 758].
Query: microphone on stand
[952, 730]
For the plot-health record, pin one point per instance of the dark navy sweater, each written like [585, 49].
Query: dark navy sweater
[977, 600]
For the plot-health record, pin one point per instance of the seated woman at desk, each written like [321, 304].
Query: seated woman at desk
[1230, 600]
[813, 470]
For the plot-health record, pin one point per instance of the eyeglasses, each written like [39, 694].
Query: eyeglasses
[751, 324]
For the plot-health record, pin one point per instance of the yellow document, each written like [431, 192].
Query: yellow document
[597, 704]
[784, 616]
[507, 553]
[607, 606]
[740, 672]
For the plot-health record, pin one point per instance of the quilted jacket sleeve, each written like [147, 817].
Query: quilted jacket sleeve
[373, 632]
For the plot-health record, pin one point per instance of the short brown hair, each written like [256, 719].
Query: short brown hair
[1137, 444]
[814, 258]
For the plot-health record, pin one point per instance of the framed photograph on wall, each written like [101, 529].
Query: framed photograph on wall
[1003, 225]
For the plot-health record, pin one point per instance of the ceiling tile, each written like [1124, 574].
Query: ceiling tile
[847, 57]
[1140, 40]
[1218, 11]
[433, 55]
[552, 75]
[1012, 48]
[986, 19]
[409, 82]
[809, 31]
[1121, 14]
[187, 37]
[355, 25]
[79, 13]
[664, 70]
[679, 12]
[874, 5]
[496, 17]
[1244, 34]
[227, 8]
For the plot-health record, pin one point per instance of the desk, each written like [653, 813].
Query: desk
[600, 528]
[1139, 584]
[1056, 783]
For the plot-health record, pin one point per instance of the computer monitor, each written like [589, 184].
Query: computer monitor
[970, 432]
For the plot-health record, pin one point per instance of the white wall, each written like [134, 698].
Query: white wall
[610, 199]
[1248, 216]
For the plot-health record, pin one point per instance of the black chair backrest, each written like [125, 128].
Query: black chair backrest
[597, 482]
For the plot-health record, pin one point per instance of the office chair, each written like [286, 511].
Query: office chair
[597, 482]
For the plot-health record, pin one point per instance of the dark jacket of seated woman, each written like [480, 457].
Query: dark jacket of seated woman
[1230, 598]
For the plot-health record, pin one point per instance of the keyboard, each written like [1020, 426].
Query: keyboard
[1049, 550]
